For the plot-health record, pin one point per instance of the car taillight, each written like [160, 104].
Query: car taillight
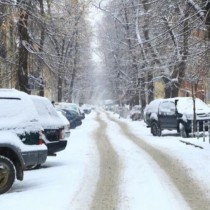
[40, 141]
[61, 134]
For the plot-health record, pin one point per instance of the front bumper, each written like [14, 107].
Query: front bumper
[67, 134]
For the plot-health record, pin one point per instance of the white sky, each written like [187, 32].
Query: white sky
[66, 182]
[95, 17]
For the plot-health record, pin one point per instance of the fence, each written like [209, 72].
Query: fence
[205, 129]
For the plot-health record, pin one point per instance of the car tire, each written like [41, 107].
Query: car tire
[7, 174]
[183, 132]
[155, 129]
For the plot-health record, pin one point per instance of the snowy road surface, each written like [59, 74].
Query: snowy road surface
[115, 164]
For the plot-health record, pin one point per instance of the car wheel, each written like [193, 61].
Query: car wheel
[183, 132]
[7, 174]
[155, 129]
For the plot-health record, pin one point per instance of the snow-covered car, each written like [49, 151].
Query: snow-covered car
[72, 113]
[135, 113]
[86, 108]
[73, 117]
[21, 144]
[72, 106]
[53, 126]
[176, 114]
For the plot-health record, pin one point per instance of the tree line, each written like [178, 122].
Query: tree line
[45, 48]
[144, 42]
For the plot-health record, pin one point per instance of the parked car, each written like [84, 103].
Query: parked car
[54, 133]
[135, 113]
[73, 117]
[175, 114]
[86, 108]
[72, 113]
[72, 106]
[21, 144]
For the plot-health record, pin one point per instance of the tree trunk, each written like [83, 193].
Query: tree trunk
[74, 69]
[41, 45]
[142, 91]
[178, 73]
[60, 89]
[22, 71]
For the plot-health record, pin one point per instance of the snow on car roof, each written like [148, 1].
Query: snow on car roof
[47, 114]
[68, 106]
[153, 105]
[184, 105]
[17, 112]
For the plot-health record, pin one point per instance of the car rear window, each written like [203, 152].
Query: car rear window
[10, 107]
[29, 138]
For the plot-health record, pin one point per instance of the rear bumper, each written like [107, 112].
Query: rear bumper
[67, 134]
[34, 157]
[57, 146]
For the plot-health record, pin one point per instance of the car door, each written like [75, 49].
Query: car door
[167, 115]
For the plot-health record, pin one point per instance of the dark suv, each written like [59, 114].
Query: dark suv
[175, 114]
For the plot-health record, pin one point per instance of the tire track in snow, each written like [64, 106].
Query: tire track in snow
[106, 193]
[189, 189]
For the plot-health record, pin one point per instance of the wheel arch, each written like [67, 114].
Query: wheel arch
[180, 121]
[15, 158]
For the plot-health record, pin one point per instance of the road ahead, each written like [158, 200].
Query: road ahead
[176, 185]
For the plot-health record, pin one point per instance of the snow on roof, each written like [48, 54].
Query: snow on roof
[68, 106]
[184, 105]
[47, 114]
[153, 105]
[17, 112]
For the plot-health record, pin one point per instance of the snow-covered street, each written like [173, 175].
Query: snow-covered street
[113, 163]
